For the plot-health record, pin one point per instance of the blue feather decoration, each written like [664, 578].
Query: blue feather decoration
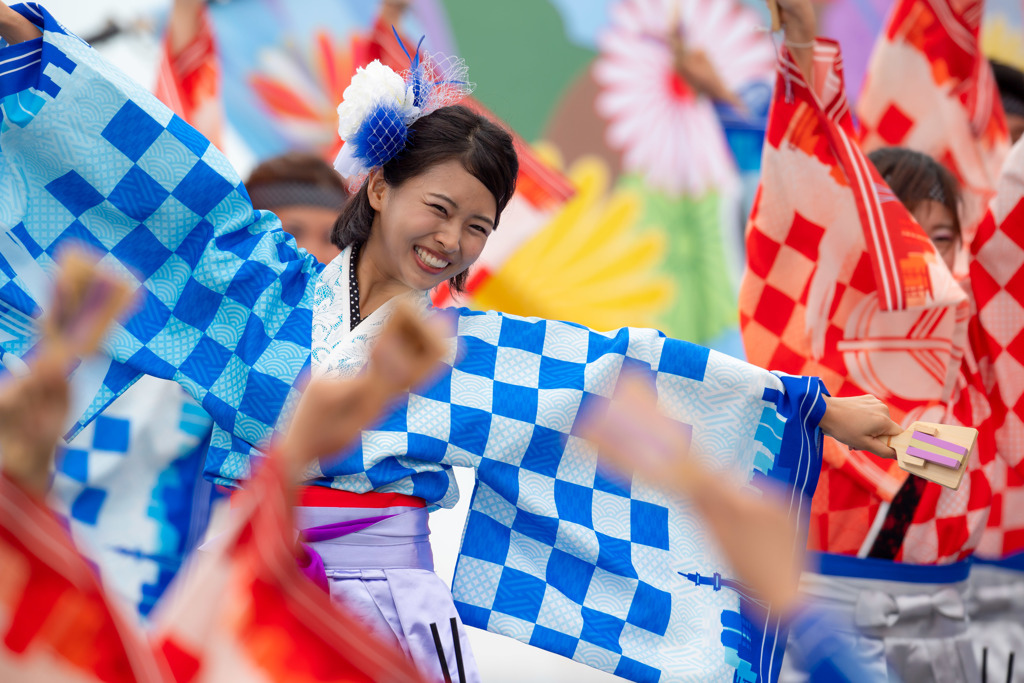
[418, 79]
[381, 137]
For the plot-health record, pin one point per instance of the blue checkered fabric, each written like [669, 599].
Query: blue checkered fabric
[223, 292]
[559, 554]
[131, 490]
[556, 553]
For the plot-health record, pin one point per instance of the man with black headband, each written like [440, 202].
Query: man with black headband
[306, 194]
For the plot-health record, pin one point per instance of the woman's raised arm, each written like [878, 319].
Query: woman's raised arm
[15, 28]
[94, 158]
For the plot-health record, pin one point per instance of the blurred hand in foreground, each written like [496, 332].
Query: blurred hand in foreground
[33, 408]
[332, 413]
[755, 534]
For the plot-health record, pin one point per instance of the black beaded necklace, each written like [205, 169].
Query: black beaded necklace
[353, 290]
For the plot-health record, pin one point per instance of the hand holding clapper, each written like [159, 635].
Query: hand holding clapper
[935, 452]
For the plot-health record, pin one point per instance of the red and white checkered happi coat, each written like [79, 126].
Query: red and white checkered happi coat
[930, 88]
[997, 332]
[843, 284]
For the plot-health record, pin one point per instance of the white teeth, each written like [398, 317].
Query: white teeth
[430, 259]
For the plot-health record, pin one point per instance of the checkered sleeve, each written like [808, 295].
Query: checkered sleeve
[842, 283]
[129, 491]
[929, 87]
[997, 284]
[223, 293]
[559, 553]
[563, 555]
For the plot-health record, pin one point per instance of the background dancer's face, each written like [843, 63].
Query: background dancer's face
[940, 226]
[311, 227]
[431, 227]
[306, 193]
[928, 191]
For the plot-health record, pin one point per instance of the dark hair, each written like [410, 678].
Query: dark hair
[915, 177]
[485, 149]
[295, 178]
[1010, 82]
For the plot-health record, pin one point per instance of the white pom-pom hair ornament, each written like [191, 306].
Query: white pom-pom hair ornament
[373, 85]
[379, 105]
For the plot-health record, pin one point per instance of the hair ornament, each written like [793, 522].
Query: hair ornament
[379, 105]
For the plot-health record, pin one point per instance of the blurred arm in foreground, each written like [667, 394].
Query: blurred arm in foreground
[244, 605]
[755, 534]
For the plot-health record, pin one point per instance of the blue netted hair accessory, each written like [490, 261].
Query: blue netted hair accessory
[379, 105]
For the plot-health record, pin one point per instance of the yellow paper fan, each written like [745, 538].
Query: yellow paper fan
[589, 265]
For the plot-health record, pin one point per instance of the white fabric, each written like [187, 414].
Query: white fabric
[910, 632]
[996, 606]
[337, 350]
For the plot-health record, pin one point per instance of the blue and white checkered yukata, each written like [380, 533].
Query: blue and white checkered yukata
[130, 489]
[555, 554]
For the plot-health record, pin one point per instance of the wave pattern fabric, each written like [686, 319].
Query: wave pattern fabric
[131, 491]
[222, 289]
[555, 553]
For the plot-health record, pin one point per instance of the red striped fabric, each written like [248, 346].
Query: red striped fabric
[930, 88]
[843, 284]
[56, 622]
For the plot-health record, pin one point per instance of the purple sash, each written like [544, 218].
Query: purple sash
[310, 561]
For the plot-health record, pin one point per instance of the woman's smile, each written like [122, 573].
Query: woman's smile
[430, 261]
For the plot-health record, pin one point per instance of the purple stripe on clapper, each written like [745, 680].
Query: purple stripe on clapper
[933, 457]
[939, 443]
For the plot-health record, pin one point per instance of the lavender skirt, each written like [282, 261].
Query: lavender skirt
[377, 562]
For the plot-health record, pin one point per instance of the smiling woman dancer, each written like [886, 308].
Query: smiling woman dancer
[554, 553]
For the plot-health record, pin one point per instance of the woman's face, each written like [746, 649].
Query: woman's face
[430, 228]
[940, 226]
